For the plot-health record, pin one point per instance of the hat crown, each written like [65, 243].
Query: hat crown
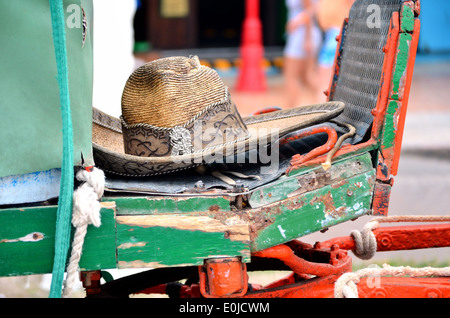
[168, 92]
[175, 106]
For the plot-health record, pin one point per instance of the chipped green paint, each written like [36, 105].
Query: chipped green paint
[297, 184]
[159, 205]
[390, 127]
[295, 217]
[407, 19]
[27, 241]
[159, 246]
[274, 192]
[398, 78]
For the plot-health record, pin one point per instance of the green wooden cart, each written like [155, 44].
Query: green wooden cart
[210, 237]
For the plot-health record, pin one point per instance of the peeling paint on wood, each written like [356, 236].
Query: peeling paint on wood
[407, 17]
[172, 205]
[30, 187]
[312, 211]
[400, 67]
[27, 243]
[176, 240]
[236, 232]
[391, 135]
[391, 125]
[32, 237]
[381, 195]
[314, 179]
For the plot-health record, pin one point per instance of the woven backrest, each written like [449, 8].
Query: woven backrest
[361, 63]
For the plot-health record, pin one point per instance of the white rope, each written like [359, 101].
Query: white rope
[346, 285]
[366, 242]
[86, 210]
[366, 246]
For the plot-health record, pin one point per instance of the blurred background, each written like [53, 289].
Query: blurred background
[129, 33]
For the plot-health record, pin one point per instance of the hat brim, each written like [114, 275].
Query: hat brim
[111, 158]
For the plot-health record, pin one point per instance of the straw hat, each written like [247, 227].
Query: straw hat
[177, 114]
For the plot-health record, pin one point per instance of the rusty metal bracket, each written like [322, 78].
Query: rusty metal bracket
[91, 282]
[223, 277]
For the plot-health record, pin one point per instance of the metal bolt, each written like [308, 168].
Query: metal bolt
[199, 185]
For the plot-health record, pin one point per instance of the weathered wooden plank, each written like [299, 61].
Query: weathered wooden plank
[398, 84]
[392, 132]
[407, 17]
[390, 135]
[310, 180]
[152, 241]
[27, 241]
[19, 257]
[159, 205]
[99, 248]
[31, 187]
[297, 216]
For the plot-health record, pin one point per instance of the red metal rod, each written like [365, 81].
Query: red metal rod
[404, 287]
[345, 150]
[301, 266]
[401, 238]
[321, 150]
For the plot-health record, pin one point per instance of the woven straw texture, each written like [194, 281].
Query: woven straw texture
[170, 91]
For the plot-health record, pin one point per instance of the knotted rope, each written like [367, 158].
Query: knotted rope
[366, 242]
[366, 246]
[86, 210]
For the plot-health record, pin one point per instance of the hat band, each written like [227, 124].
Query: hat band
[215, 126]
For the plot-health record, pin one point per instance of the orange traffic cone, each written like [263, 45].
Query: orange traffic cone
[251, 74]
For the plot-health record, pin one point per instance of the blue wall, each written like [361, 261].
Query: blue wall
[435, 26]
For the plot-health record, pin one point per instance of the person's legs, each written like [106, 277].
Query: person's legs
[300, 68]
[292, 71]
[310, 80]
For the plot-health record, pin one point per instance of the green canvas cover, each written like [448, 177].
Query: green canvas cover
[30, 115]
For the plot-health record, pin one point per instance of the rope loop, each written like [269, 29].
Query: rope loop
[366, 246]
[366, 242]
[86, 205]
[86, 211]
[346, 286]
